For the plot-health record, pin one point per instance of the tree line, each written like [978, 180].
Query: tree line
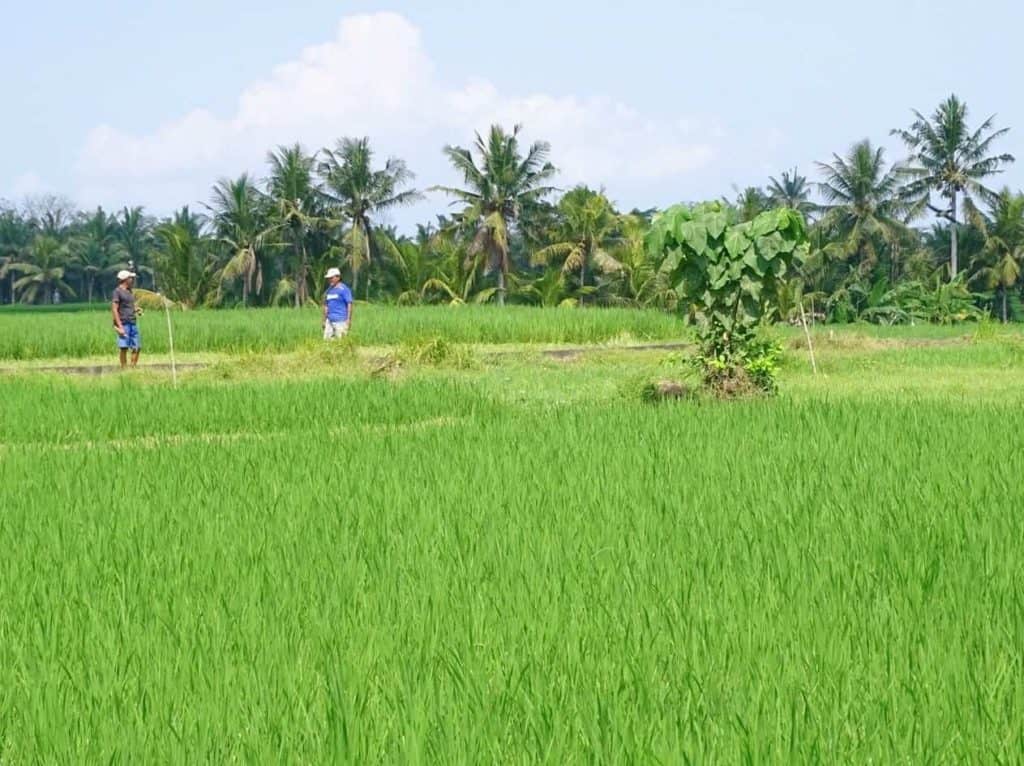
[925, 238]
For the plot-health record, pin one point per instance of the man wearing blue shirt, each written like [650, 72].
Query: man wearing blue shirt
[337, 306]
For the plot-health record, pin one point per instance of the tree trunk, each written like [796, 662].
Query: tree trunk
[301, 286]
[501, 287]
[367, 234]
[954, 244]
[583, 279]
[1003, 288]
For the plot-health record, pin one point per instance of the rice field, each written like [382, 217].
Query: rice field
[517, 562]
[44, 334]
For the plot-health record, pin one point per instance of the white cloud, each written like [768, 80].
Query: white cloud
[375, 78]
[26, 185]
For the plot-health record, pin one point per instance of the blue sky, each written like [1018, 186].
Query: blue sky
[117, 103]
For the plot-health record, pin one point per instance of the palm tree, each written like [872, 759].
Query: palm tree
[863, 202]
[184, 263]
[135, 240]
[292, 194]
[750, 202]
[792, 191]
[1000, 261]
[359, 193]
[641, 281]
[410, 266]
[16, 234]
[42, 273]
[94, 249]
[497, 189]
[456, 269]
[585, 235]
[240, 222]
[949, 159]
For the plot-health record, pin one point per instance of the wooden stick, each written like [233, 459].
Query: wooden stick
[807, 334]
[170, 338]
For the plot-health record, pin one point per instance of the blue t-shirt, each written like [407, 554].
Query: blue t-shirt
[338, 299]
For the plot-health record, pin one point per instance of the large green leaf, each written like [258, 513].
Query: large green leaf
[765, 224]
[716, 224]
[770, 246]
[751, 287]
[736, 242]
[754, 262]
[695, 234]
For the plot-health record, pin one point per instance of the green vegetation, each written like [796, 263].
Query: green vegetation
[881, 251]
[728, 274]
[517, 560]
[439, 541]
[43, 334]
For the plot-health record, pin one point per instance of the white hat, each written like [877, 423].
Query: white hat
[124, 274]
[332, 273]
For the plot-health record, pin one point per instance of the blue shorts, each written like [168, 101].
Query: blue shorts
[131, 338]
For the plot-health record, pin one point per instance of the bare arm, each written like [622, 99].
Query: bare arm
[351, 311]
[117, 316]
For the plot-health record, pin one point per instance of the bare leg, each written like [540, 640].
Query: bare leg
[135, 358]
[124, 357]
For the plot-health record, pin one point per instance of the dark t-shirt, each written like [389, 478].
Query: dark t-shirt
[125, 300]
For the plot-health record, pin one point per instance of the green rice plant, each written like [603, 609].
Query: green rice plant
[364, 571]
[44, 335]
[437, 352]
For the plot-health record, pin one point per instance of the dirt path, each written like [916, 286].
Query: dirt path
[567, 352]
[99, 369]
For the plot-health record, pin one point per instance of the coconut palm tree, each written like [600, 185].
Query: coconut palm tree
[749, 203]
[863, 207]
[641, 282]
[999, 264]
[457, 269]
[134, 234]
[292, 194]
[409, 265]
[793, 191]
[584, 236]
[951, 160]
[94, 249]
[187, 271]
[16, 234]
[42, 272]
[240, 222]
[358, 193]
[499, 182]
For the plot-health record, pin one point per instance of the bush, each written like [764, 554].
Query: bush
[726, 274]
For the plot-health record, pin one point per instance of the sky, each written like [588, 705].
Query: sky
[116, 102]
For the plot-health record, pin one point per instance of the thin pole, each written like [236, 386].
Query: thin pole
[807, 333]
[170, 338]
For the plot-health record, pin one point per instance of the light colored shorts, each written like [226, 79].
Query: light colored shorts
[335, 330]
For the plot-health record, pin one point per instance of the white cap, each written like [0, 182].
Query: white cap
[124, 274]
[332, 273]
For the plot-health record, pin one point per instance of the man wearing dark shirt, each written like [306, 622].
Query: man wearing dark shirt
[125, 316]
